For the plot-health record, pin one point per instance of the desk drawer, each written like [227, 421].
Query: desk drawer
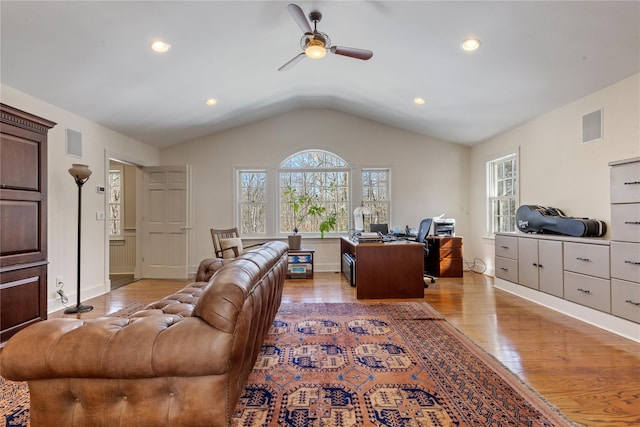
[625, 183]
[625, 261]
[507, 269]
[451, 267]
[506, 246]
[450, 253]
[625, 299]
[450, 242]
[587, 290]
[587, 259]
[625, 222]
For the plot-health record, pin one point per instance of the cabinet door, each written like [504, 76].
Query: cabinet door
[528, 262]
[550, 267]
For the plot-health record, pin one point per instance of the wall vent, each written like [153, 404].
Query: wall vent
[74, 143]
[592, 126]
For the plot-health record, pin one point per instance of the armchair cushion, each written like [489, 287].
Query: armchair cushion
[231, 247]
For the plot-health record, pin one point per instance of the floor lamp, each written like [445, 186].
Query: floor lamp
[81, 174]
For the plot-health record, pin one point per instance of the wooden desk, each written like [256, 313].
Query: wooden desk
[387, 270]
[445, 256]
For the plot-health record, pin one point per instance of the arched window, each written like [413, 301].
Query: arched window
[319, 179]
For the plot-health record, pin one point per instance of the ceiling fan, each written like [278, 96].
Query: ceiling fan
[314, 43]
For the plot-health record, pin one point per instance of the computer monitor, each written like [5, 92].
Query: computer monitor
[379, 228]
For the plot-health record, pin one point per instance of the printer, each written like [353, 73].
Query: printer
[444, 226]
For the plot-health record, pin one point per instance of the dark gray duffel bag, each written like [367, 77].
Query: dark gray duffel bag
[541, 219]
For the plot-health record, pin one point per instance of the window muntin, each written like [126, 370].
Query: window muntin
[502, 186]
[325, 178]
[252, 202]
[375, 196]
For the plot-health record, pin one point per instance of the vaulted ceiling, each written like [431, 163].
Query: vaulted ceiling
[93, 58]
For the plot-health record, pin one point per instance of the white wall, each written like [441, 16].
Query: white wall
[428, 176]
[63, 196]
[556, 168]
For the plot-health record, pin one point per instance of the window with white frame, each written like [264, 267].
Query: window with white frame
[375, 195]
[252, 202]
[322, 176]
[115, 202]
[502, 194]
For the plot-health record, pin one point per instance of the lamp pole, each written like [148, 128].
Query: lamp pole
[81, 175]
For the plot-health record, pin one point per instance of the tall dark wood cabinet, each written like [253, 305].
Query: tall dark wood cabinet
[23, 220]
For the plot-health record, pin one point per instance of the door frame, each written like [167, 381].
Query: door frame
[122, 158]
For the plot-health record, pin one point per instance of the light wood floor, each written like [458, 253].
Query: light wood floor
[591, 375]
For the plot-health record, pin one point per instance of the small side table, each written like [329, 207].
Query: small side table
[300, 263]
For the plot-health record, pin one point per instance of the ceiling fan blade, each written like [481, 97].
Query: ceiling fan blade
[292, 62]
[298, 15]
[352, 52]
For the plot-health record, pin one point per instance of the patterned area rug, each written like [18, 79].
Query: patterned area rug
[381, 364]
[367, 364]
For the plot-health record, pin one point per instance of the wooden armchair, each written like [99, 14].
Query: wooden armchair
[227, 243]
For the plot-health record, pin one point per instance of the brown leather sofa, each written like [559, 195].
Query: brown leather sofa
[183, 361]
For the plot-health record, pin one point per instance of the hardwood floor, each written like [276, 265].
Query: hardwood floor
[591, 375]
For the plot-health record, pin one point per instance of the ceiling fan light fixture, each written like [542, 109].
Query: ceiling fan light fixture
[315, 49]
[470, 44]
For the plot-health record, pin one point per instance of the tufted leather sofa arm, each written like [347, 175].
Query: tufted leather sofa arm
[209, 266]
[182, 361]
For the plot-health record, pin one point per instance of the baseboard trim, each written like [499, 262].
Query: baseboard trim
[606, 321]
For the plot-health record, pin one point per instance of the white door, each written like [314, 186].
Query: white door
[165, 222]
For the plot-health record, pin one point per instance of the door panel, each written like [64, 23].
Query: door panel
[166, 222]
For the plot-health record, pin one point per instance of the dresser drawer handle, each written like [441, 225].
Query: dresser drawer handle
[632, 262]
[583, 259]
[504, 269]
[632, 222]
[632, 183]
[504, 247]
[632, 302]
[585, 291]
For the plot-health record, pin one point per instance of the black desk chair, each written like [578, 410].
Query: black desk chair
[423, 231]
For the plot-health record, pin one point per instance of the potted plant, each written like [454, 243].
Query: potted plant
[303, 206]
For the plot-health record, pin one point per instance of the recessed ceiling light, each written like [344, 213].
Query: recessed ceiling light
[419, 100]
[160, 46]
[211, 101]
[470, 44]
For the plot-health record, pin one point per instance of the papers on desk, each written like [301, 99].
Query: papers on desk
[369, 237]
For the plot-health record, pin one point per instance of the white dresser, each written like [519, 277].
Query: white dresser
[593, 279]
[625, 239]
